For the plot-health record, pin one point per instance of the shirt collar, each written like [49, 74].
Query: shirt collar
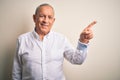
[35, 34]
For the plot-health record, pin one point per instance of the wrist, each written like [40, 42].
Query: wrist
[84, 41]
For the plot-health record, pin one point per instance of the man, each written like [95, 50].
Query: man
[40, 53]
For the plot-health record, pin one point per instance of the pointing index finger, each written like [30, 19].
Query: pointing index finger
[91, 25]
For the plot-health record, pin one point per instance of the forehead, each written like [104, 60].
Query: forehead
[46, 10]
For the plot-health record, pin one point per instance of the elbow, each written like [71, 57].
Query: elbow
[78, 61]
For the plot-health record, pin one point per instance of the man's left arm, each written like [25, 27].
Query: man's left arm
[78, 56]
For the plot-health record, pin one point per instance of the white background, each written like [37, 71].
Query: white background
[72, 16]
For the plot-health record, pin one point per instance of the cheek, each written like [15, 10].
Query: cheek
[38, 22]
[51, 23]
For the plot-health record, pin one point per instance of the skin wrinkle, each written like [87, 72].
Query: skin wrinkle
[50, 50]
[44, 19]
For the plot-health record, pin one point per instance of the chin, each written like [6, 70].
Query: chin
[45, 31]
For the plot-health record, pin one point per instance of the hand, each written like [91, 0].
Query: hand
[87, 33]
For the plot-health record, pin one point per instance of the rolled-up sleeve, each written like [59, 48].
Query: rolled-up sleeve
[75, 56]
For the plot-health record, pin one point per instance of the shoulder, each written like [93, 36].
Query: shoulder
[24, 35]
[56, 34]
[59, 36]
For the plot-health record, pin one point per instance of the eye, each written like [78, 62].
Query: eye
[41, 15]
[50, 17]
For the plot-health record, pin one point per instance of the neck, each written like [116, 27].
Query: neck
[41, 34]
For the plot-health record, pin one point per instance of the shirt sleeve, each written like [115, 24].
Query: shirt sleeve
[75, 56]
[17, 70]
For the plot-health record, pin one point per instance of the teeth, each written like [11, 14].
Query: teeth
[44, 25]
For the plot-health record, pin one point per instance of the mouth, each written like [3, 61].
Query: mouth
[44, 25]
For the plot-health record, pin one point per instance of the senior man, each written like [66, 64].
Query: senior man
[40, 53]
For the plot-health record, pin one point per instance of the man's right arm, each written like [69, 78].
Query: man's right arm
[17, 69]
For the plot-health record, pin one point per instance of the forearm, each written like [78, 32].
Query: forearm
[77, 56]
[16, 72]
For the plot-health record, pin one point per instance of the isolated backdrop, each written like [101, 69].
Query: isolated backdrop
[72, 16]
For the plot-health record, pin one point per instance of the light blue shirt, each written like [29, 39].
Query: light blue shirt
[43, 60]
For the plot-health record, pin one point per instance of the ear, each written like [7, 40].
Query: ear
[54, 20]
[34, 18]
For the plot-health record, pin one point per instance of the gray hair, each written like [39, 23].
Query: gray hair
[45, 4]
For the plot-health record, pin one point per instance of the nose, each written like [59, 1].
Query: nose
[46, 19]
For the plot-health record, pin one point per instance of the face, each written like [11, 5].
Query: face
[44, 20]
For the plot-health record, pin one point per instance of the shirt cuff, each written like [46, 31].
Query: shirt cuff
[82, 46]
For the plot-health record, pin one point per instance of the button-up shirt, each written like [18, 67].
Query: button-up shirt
[37, 59]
